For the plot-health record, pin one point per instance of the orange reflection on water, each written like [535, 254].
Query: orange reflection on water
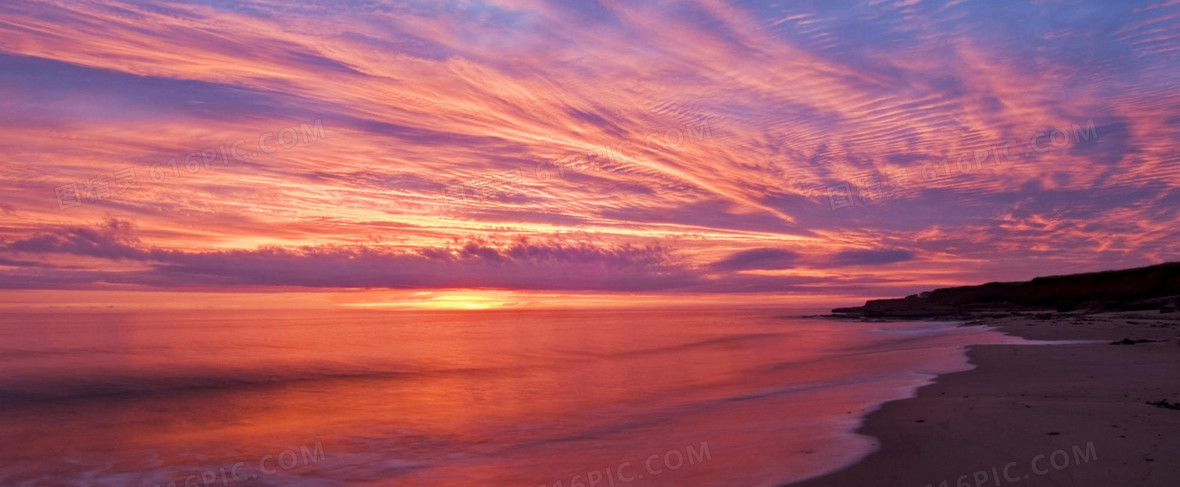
[450, 398]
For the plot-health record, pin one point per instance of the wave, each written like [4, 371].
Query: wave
[41, 389]
[757, 338]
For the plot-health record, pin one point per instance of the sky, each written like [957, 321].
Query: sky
[529, 153]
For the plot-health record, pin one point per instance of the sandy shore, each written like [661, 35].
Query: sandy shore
[1059, 415]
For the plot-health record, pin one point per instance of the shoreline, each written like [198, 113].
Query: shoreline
[1025, 410]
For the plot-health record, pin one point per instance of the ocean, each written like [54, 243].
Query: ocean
[473, 398]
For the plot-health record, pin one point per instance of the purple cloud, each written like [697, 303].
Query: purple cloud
[111, 240]
[764, 258]
[521, 264]
[871, 257]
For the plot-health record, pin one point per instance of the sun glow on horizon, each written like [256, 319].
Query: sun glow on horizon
[442, 300]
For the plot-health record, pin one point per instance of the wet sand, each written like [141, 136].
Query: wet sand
[1059, 415]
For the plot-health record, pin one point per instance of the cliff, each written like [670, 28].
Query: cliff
[1144, 288]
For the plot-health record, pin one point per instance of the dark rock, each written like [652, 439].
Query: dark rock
[1163, 403]
[1144, 288]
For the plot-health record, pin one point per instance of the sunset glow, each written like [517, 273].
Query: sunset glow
[635, 151]
[589, 243]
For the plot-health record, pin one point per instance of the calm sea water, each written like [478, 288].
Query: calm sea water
[493, 398]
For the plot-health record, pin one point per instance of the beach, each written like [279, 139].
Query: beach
[1053, 415]
[659, 397]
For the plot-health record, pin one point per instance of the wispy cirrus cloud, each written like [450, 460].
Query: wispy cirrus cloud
[418, 97]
